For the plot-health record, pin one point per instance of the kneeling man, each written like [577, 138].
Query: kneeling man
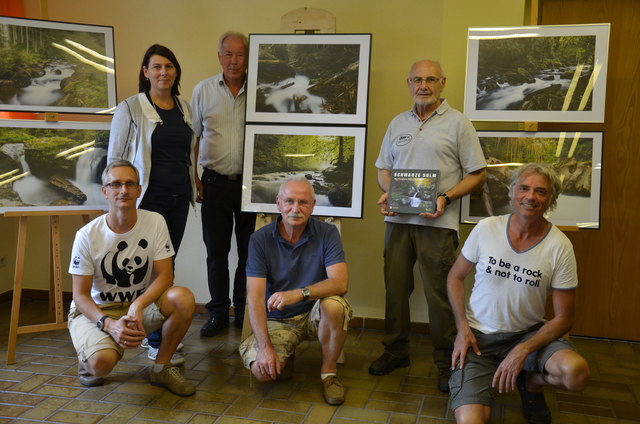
[296, 277]
[122, 275]
[503, 340]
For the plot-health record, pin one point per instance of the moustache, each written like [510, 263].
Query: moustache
[295, 215]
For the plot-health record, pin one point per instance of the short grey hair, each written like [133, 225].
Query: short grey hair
[235, 34]
[117, 164]
[542, 169]
[297, 178]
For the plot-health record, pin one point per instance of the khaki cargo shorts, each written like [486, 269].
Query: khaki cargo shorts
[86, 337]
[286, 334]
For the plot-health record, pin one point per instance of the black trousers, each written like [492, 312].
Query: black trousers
[175, 210]
[220, 211]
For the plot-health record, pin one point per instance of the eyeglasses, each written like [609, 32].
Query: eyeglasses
[117, 185]
[429, 80]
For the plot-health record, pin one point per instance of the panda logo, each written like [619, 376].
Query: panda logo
[76, 262]
[131, 267]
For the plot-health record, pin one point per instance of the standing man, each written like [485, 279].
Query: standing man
[218, 106]
[431, 135]
[297, 276]
[503, 340]
[122, 272]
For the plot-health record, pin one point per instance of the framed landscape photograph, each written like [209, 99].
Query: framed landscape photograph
[51, 66]
[537, 73]
[576, 156]
[308, 78]
[48, 166]
[331, 158]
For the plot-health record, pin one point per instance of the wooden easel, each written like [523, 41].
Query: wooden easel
[55, 302]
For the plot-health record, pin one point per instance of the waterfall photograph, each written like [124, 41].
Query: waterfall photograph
[308, 78]
[53, 66]
[45, 166]
[576, 156]
[540, 74]
[330, 158]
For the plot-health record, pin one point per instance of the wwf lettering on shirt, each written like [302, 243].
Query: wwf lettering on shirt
[504, 269]
[125, 272]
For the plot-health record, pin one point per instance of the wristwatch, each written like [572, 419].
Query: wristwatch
[100, 323]
[446, 198]
[305, 293]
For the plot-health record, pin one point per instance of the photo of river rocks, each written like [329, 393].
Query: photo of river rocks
[535, 73]
[46, 68]
[308, 78]
[326, 161]
[52, 168]
[575, 156]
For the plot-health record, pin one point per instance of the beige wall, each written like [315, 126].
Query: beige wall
[403, 31]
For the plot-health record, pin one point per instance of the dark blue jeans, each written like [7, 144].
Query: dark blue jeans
[220, 208]
[175, 210]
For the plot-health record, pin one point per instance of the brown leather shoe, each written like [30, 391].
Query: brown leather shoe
[333, 390]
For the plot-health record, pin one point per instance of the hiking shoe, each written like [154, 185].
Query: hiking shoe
[387, 363]
[444, 374]
[145, 345]
[534, 407]
[333, 390]
[176, 360]
[86, 378]
[171, 379]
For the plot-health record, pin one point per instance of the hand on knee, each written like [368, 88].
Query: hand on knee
[258, 374]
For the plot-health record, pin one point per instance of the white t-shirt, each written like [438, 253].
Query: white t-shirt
[511, 288]
[121, 264]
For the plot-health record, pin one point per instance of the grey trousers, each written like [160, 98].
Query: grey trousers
[434, 249]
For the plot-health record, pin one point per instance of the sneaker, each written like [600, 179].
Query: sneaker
[171, 379]
[145, 345]
[444, 374]
[213, 326]
[333, 390]
[176, 360]
[387, 363]
[86, 378]
[534, 407]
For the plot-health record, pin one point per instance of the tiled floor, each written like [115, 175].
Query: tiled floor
[42, 386]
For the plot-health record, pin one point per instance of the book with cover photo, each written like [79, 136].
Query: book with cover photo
[413, 191]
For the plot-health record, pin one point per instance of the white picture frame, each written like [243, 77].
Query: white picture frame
[77, 77]
[554, 73]
[272, 153]
[32, 152]
[577, 156]
[278, 92]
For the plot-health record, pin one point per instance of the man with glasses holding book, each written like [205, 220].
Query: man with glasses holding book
[430, 136]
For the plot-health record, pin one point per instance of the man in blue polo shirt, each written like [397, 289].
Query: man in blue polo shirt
[296, 277]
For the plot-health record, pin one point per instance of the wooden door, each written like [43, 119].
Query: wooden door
[608, 299]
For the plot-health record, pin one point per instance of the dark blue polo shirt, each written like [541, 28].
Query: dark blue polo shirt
[287, 267]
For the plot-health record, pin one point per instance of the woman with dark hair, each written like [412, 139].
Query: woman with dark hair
[152, 130]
